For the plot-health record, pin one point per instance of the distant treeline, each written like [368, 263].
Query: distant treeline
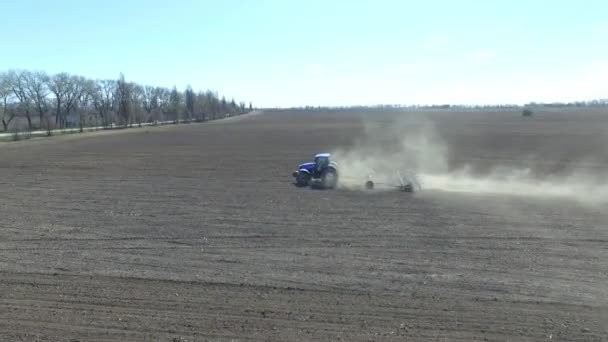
[47, 101]
[593, 103]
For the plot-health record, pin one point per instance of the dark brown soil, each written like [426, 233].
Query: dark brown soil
[196, 233]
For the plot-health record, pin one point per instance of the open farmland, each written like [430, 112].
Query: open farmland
[196, 233]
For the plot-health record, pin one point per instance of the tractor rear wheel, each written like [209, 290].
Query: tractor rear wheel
[329, 178]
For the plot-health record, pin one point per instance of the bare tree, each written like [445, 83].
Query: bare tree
[67, 90]
[37, 90]
[175, 104]
[58, 85]
[223, 107]
[205, 106]
[8, 114]
[18, 86]
[123, 99]
[149, 99]
[75, 88]
[103, 99]
[233, 107]
[189, 98]
[5, 96]
[137, 103]
[85, 100]
[163, 97]
[213, 104]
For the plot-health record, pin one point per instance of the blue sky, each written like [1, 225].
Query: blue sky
[292, 53]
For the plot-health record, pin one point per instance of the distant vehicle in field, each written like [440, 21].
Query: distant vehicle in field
[322, 173]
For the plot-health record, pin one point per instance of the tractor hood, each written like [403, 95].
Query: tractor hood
[306, 166]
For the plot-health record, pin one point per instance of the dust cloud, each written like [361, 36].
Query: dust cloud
[387, 151]
[413, 149]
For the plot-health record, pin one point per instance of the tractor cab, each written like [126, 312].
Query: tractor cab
[321, 163]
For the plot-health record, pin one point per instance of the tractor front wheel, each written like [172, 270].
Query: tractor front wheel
[302, 179]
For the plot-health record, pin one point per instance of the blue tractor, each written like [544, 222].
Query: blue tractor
[322, 173]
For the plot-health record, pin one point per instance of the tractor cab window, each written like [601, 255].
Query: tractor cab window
[321, 163]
